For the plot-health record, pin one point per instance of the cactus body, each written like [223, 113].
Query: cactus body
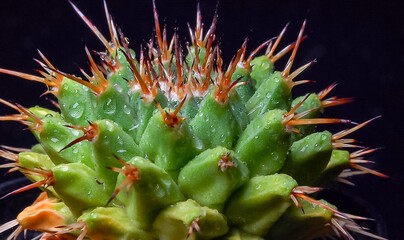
[175, 146]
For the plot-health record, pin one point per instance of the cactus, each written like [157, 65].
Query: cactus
[172, 144]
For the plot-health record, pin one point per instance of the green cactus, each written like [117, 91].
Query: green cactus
[169, 145]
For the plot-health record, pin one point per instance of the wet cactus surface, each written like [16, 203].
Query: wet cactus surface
[171, 142]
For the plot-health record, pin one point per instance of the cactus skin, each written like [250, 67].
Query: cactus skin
[256, 206]
[165, 145]
[295, 224]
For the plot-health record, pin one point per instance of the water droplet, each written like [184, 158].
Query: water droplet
[119, 140]
[55, 140]
[75, 133]
[135, 126]
[118, 88]
[76, 110]
[110, 107]
[110, 126]
[126, 110]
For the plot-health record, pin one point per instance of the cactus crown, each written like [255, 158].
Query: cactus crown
[172, 143]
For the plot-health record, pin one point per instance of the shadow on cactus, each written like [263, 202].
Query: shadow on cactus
[172, 143]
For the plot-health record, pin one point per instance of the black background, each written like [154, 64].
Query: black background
[358, 44]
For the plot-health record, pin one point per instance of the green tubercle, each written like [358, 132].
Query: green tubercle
[189, 220]
[225, 173]
[257, 205]
[264, 144]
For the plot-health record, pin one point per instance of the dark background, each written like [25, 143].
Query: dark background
[358, 44]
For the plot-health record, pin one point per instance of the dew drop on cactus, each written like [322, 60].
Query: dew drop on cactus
[171, 142]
